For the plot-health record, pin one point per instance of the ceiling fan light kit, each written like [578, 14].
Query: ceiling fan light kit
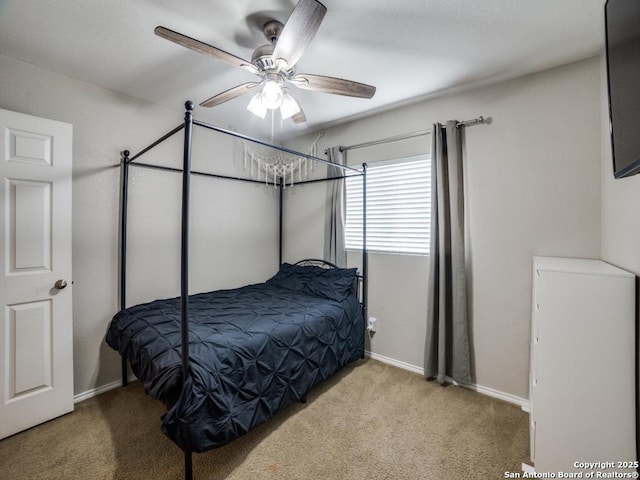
[256, 106]
[290, 106]
[273, 96]
[275, 63]
[272, 91]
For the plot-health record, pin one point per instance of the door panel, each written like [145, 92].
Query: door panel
[28, 147]
[29, 349]
[29, 211]
[36, 375]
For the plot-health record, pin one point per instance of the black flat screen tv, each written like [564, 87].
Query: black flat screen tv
[622, 33]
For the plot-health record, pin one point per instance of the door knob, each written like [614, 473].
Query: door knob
[60, 284]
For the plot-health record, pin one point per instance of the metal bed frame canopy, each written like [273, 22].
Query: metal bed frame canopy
[189, 122]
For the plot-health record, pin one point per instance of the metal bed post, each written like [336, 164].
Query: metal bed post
[184, 263]
[281, 184]
[365, 257]
[124, 180]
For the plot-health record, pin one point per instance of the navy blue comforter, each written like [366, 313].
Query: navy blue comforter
[253, 351]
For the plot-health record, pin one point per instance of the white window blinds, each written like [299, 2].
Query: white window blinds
[398, 207]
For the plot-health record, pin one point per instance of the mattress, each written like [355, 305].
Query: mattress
[253, 350]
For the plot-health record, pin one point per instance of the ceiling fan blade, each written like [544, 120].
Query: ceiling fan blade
[229, 94]
[299, 118]
[299, 30]
[204, 48]
[337, 86]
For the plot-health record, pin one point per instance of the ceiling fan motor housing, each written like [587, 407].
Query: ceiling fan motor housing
[263, 58]
[266, 63]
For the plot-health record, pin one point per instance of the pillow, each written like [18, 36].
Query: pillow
[333, 283]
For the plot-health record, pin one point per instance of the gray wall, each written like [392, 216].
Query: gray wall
[532, 188]
[234, 224]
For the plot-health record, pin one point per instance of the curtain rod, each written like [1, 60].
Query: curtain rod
[466, 123]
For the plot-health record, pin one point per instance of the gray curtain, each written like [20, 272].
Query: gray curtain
[334, 250]
[447, 342]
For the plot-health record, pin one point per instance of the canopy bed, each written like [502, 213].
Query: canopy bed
[225, 361]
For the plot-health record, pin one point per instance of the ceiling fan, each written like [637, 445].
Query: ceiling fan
[275, 63]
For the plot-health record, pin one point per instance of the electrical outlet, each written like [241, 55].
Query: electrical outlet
[371, 324]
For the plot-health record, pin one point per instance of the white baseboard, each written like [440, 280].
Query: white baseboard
[395, 363]
[507, 397]
[102, 389]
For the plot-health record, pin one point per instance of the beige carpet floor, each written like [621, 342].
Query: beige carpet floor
[371, 421]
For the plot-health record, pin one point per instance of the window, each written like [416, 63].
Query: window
[398, 207]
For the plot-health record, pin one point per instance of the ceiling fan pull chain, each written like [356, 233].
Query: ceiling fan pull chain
[272, 124]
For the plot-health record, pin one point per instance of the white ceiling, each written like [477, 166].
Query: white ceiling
[408, 49]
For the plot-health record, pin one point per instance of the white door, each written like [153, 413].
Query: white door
[36, 358]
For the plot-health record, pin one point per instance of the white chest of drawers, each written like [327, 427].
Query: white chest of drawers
[582, 375]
